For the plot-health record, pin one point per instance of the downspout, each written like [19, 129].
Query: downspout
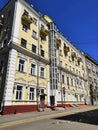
[38, 94]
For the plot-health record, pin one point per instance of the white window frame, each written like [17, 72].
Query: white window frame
[34, 34]
[35, 21]
[33, 93]
[24, 68]
[44, 72]
[19, 92]
[25, 27]
[35, 68]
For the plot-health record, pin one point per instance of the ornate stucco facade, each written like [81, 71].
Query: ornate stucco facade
[36, 60]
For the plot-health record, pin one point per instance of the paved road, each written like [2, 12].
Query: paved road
[72, 119]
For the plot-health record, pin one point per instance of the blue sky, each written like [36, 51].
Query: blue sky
[76, 19]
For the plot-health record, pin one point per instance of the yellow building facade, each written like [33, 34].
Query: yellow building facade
[72, 76]
[39, 67]
[92, 71]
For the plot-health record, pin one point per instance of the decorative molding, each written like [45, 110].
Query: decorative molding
[21, 80]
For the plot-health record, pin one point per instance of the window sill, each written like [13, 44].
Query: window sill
[42, 77]
[33, 75]
[21, 72]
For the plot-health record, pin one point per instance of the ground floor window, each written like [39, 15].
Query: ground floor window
[31, 93]
[19, 92]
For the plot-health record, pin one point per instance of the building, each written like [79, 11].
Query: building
[24, 57]
[72, 76]
[37, 63]
[92, 71]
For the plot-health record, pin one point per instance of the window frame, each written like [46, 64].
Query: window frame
[34, 21]
[33, 98]
[24, 68]
[20, 93]
[42, 53]
[23, 42]
[44, 72]
[34, 47]
[35, 71]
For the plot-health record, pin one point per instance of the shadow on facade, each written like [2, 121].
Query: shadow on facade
[89, 117]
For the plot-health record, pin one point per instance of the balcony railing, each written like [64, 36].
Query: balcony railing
[44, 32]
[73, 55]
[66, 49]
[79, 59]
[27, 18]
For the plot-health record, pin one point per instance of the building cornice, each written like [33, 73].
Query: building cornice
[27, 53]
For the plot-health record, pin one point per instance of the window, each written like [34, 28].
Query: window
[76, 71]
[67, 80]
[21, 65]
[43, 39]
[70, 68]
[19, 92]
[42, 72]
[60, 63]
[63, 79]
[23, 43]
[97, 74]
[26, 13]
[34, 34]
[42, 53]
[33, 69]
[42, 26]
[33, 48]
[58, 77]
[34, 21]
[42, 91]
[66, 66]
[31, 94]
[60, 52]
[72, 82]
[24, 27]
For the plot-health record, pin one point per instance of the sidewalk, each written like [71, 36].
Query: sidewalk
[47, 113]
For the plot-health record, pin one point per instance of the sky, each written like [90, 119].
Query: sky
[77, 20]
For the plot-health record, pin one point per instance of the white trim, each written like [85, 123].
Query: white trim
[9, 82]
[35, 68]
[24, 69]
[44, 71]
[16, 21]
[16, 90]
[34, 92]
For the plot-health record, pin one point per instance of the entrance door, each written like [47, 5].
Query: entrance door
[52, 100]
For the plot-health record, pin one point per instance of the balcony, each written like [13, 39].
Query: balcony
[79, 60]
[27, 18]
[73, 55]
[66, 49]
[58, 42]
[44, 32]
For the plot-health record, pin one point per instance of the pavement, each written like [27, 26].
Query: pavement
[13, 119]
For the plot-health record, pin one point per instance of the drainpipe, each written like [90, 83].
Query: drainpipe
[38, 93]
